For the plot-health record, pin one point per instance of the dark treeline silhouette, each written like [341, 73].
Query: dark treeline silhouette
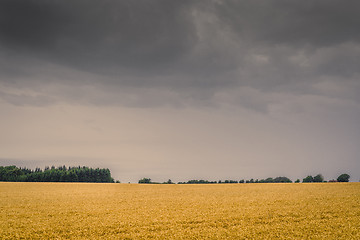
[148, 181]
[268, 180]
[197, 182]
[86, 174]
[273, 180]
[145, 180]
[53, 174]
[318, 178]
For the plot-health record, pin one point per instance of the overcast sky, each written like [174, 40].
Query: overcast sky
[182, 89]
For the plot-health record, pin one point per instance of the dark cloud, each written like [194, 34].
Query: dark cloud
[295, 23]
[191, 48]
[98, 35]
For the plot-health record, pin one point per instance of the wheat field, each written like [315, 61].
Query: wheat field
[221, 211]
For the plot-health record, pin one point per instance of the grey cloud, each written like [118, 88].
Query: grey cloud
[101, 35]
[188, 50]
[294, 23]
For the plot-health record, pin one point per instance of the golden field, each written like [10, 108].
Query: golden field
[221, 211]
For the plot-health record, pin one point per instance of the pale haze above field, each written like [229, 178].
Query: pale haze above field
[182, 89]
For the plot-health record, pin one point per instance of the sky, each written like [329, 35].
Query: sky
[206, 89]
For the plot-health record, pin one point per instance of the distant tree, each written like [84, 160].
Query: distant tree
[297, 181]
[230, 181]
[343, 178]
[198, 182]
[168, 182]
[201, 181]
[269, 180]
[145, 180]
[282, 180]
[242, 181]
[308, 179]
[318, 178]
[117, 181]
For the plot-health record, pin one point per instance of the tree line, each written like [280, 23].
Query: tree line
[86, 174]
[318, 178]
[267, 180]
[194, 181]
[55, 174]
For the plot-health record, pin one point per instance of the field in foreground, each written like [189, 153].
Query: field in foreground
[133, 211]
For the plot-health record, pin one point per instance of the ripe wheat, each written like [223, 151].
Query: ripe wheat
[133, 211]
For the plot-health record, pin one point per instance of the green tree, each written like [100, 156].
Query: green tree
[269, 180]
[145, 180]
[60, 174]
[308, 179]
[343, 178]
[318, 178]
[282, 180]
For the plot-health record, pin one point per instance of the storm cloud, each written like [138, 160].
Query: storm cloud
[184, 44]
[290, 62]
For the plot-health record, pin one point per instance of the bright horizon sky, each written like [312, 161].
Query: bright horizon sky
[182, 89]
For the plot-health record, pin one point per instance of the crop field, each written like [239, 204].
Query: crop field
[221, 211]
